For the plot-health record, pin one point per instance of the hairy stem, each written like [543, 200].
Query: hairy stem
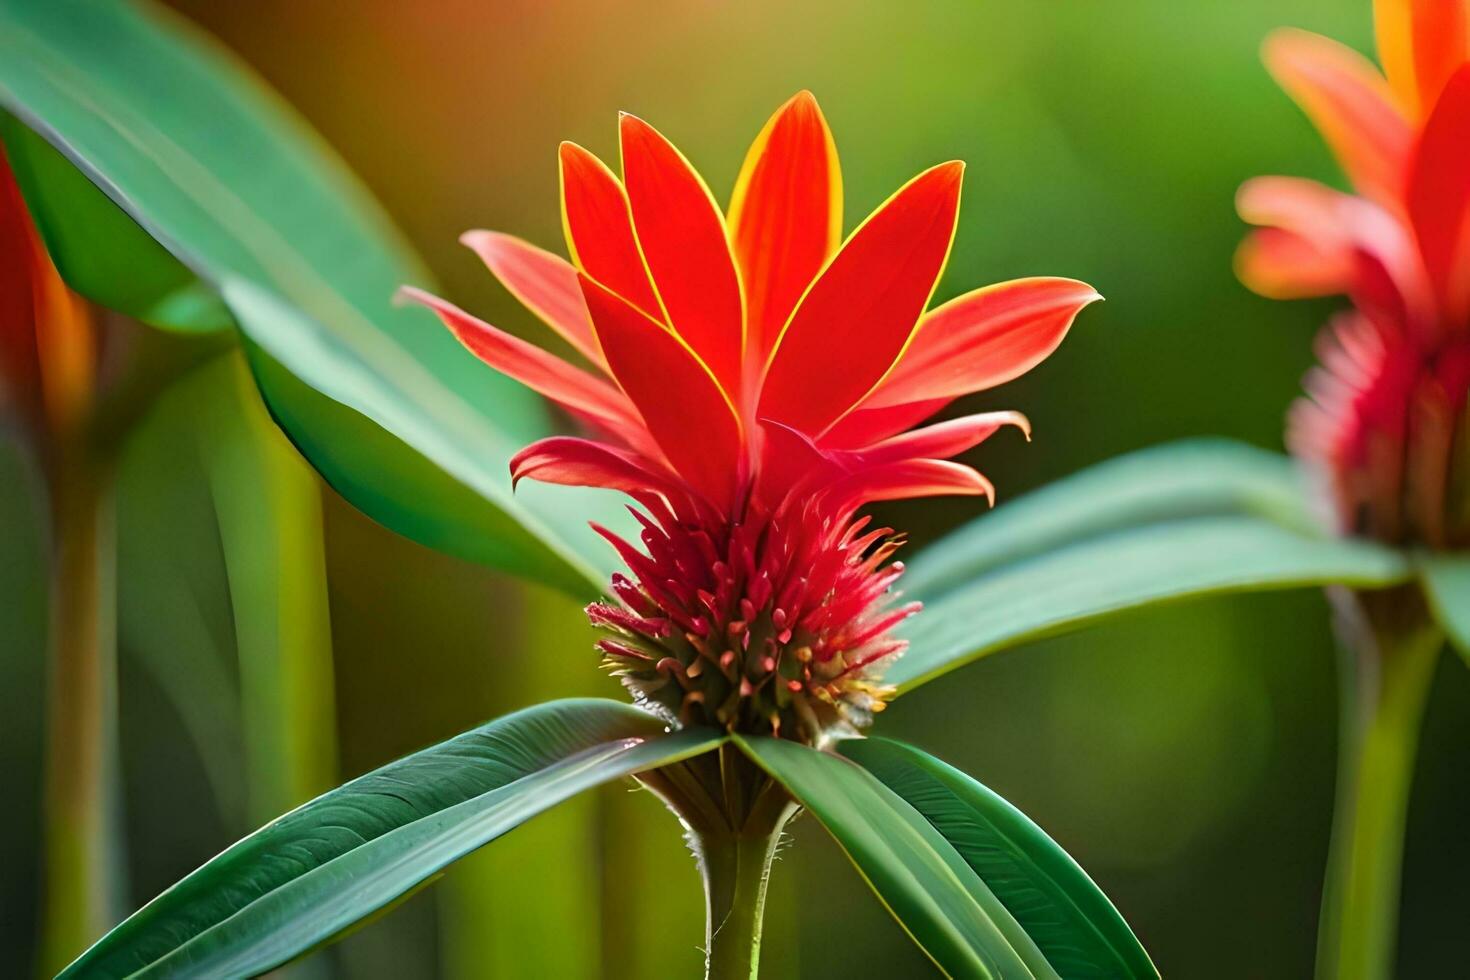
[735, 816]
[1390, 647]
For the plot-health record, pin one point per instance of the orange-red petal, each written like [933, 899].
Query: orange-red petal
[682, 235]
[984, 338]
[1350, 104]
[1420, 44]
[530, 365]
[682, 405]
[910, 478]
[1280, 264]
[599, 228]
[1439, 197]
[788, 458]
[1388, 276]
[573, 462]
[864, 426]
[943, 439]
[855, 320]
[543, 283]
[785, 217]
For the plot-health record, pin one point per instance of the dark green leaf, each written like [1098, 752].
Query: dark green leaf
[930, 889]
[1447, 583]
[180, 135]
[1069, 918]
[302, 880]
[1124, 570]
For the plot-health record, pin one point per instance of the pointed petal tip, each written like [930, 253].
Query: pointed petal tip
[804, 100]
[568, 151]
[952, 169]
[477, 238]
[1281, 43]
[405, 295]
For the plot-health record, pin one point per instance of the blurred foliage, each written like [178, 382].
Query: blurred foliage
[1184, 756]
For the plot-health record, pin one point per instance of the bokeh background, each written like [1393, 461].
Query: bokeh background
[1184, 756]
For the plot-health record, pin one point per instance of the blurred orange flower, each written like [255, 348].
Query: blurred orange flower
[1384, 421]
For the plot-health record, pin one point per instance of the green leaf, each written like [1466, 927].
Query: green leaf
[100, 251]
[268, 512]
[1128, 569]
[1189, 478]
[1446, 578]
[211, 164]
[540, 532]
[1062, 910]
[313, 873]
[919, 876]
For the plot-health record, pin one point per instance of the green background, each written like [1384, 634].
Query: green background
[1184, 756]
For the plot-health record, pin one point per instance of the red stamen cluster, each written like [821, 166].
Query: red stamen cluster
[1386, 428]
[775, 626]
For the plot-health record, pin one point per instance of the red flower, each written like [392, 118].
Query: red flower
[1383, 423]
[751, 379]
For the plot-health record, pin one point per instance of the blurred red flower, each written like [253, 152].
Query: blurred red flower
[47, 347]
[751, 377]
[1384, 421]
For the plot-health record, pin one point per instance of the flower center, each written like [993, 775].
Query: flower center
[775, 626]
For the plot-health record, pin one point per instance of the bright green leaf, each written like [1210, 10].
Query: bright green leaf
[1062, 910]
[1190, 478]
[537, 531]
[313, 873]
[1447, 583]
[200, 154]
[100, 251]
[1007, 604]
[924, 882]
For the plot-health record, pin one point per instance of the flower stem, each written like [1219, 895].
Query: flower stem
[1390, 647]
[82, 870]
[735, 816]
[736, 868]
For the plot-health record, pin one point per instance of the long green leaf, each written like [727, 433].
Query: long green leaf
[1190, 478]
[303, 879]
[268, 511]
[1062, 910]
[184, 138]
[545, 535]
[1172, 560]
[1447, 583]
[930, 889]
[100, 251]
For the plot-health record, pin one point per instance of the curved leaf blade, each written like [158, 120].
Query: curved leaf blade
[100, 251]
[1446, 580]
[303, 879]
[1189, 478]
[181, 136]
[1062, 910]
[922, 880]
[458, 459]
[1173, 560]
